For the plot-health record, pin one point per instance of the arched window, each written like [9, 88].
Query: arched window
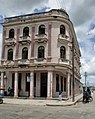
[62, 29]
[25, 53]
[26, 31]
[10, 54]
[41, 51]
[11, 33]
[62, 52]
[41, 29]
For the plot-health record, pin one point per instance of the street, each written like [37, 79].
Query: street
[78, 111]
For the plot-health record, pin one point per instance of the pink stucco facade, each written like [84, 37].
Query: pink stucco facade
[37, 77]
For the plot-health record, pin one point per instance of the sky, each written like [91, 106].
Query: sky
[82, 15]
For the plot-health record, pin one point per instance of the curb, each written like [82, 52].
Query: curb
[68, 103]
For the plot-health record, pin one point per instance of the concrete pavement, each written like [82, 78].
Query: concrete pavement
[52, 102]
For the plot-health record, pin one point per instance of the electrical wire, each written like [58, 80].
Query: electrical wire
[61, 4]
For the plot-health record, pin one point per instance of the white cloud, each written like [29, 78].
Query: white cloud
[81, 11]
[15, 7]
[92, 32]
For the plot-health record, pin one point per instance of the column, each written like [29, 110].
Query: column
[16, 85]
[23, 82]
[2, 83]
[68, 85]
[17, 44]
[32, 44]
[59, 83]
[31, 84]
[3, 44]
[38, 84]
[68, 53]
[49, 84]
[49, 42]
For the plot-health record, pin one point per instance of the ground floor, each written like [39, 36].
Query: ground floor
[39, 83]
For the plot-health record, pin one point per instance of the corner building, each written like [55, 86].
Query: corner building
[37, 55]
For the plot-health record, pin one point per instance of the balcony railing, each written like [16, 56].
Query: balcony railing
[63, 60]
[40, 60]
[62, 38]
[23, 62]
[24, 39]
[10, 41]
[7, 63]
[41, 38]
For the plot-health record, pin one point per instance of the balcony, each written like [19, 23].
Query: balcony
[24, 40]
[10, 41]
[7, 63]
[41, 38]
[63, 60]
[62, 38]
[23, 62]
[40, 60]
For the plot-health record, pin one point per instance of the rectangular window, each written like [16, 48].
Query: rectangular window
[61, 83]
[57, 82]
[65, 85]
[34, 84]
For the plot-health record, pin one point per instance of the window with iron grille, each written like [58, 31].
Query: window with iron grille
[62, 30]
[11, 33]
[26, 31]
[41, 29]
[10, 55]
[63, 52]
[41, 51]
[25, 53]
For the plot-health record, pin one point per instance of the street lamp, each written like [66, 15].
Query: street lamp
[85, 78]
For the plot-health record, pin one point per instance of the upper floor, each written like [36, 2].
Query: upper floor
[41, 37]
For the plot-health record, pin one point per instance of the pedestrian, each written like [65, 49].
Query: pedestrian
[84, 95]
[60, 95]
[9, 90]
[89, 91]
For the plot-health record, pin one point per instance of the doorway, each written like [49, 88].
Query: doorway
[43, 91]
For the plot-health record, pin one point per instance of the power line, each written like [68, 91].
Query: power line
[61, 4]
[58, 2]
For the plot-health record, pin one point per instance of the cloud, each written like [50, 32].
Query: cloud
[81, 12]
[15, 7]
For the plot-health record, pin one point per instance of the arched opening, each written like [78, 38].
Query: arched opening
[11, 33]
[62, 52]
[62, 30]
[26, 31]
[25, 53]
[41, 29]
[10, 55]
[41, 51]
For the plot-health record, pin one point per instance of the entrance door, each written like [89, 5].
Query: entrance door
[13, 78]
[34, 84]
[43, 85]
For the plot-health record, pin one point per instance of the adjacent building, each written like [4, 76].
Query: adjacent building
[37, 55]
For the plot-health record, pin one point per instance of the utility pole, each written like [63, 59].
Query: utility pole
[73, 81]
[85, 79]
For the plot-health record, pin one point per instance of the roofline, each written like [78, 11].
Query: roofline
[61, 10]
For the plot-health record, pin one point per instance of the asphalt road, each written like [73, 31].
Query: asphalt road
[78, 111]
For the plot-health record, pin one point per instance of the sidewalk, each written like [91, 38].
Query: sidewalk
[47, 102]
